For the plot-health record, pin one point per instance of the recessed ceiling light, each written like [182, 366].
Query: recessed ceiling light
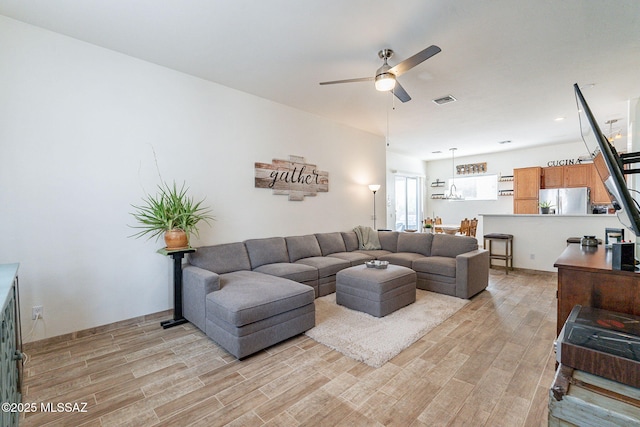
[588, 86]
[436, 152]
[559, 119]
[507, 141]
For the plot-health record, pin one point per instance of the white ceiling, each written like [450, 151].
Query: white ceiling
[511, 64]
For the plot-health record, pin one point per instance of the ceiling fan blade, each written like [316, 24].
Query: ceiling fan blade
[361, 79]
[400, 93]
[416, 59]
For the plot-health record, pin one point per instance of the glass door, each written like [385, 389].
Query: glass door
[408, 201]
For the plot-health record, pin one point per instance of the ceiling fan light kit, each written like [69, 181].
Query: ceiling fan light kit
[385, 82]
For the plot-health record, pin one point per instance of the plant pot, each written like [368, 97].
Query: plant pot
[176, 239]
[544, 210]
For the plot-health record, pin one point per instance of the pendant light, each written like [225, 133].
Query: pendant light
[453, 191]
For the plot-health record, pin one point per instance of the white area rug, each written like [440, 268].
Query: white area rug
[375, 340]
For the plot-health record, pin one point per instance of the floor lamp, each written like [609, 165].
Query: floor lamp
[374, 188]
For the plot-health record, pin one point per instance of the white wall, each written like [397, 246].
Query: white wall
[77, 127]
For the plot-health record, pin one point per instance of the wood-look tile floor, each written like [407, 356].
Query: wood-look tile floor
[490, 364]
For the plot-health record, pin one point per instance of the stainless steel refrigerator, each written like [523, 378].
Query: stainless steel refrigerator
[566, 201]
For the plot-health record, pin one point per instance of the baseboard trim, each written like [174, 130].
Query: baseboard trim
[31, 345]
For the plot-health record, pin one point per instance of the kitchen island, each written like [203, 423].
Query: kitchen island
[538, 240]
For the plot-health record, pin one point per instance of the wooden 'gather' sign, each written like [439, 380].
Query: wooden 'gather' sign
[292, 177]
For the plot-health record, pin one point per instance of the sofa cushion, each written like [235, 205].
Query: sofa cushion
[389, 240]
[350, 240]
[266, 251]
[221, 259]
[419, 243]
[292, 271]
[452, 246]
[247, 296]
[327, 266]
[302, 247]
[404, 259]
[442, 266]
[330, 243]
[355, 258]
[376, 253]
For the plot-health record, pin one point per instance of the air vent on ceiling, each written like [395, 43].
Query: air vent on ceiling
[444, 100]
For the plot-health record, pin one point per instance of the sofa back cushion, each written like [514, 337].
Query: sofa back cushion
[221, 259]
[330, 243]
[350, 240]
[302, 247]
[419, 243]
[452, 246]
[389, 240]
[266, 251]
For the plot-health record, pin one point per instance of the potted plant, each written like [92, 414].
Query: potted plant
[170, 212]
[428, 226]
[545, 206]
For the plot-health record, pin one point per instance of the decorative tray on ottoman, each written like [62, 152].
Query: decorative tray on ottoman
[377, 264]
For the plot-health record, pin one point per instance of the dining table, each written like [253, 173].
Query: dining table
[449, 228]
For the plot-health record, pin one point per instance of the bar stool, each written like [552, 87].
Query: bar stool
[507, 256]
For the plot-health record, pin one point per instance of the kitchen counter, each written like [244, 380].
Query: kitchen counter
[552, 215]
[538, 240]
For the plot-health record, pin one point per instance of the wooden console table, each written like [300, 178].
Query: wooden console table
[585, 277]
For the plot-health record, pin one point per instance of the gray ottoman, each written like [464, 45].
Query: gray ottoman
[376, 291]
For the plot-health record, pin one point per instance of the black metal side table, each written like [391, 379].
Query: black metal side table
[177, 255]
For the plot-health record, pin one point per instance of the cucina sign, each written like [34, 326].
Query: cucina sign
[565, 162]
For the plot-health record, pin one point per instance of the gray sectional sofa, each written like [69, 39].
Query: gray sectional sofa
[249, 295]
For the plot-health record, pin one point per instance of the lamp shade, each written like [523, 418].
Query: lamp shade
[374, 187]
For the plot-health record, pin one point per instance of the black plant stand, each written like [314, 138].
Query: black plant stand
[177, 256]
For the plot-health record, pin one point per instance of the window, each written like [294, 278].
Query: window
[408, 202]
[483, 187]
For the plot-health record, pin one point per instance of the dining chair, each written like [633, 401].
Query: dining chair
[464, 227]
[473, 227]
[438, 221]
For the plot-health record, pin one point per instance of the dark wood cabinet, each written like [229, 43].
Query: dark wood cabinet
[585, 277]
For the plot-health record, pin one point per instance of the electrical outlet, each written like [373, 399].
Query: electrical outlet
[532, 256]
[37, 311]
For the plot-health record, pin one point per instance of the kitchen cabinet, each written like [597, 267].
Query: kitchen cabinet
[599, 194]
[525, 206]
[577, 175]
[567, 176]
[553, 177]
[526, 184]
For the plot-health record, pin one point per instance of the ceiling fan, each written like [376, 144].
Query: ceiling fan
[385, 78]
